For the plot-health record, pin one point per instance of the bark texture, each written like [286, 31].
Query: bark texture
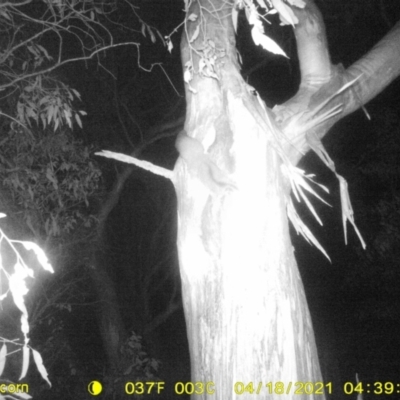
[244, 301]
[246, 312]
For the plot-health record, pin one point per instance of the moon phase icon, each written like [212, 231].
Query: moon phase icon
[95, 388]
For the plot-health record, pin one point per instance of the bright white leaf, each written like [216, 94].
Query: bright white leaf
[235, 15]
[39, 364]
[192, 17]
[266, 42]
[3, 355]
[195, 34]
[25, 362]
[41, 256]
[18, 287]
[170, 46]
[187, 76]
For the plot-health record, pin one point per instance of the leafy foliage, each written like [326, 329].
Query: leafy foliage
[37, 37]
[141, 364]
[16, 277]
[28, 31]
[50, 179]
[50, 105]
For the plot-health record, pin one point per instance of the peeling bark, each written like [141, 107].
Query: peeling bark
[244, 301]
[245, 308]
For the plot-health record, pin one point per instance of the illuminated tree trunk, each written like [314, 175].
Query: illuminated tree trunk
[247, 318]
[245, 308]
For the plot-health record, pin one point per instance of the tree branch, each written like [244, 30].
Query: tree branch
[70, 60]
[321, 82]
[378, 68]
[312, 46]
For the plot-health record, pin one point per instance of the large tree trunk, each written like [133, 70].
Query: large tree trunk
[244, 302]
